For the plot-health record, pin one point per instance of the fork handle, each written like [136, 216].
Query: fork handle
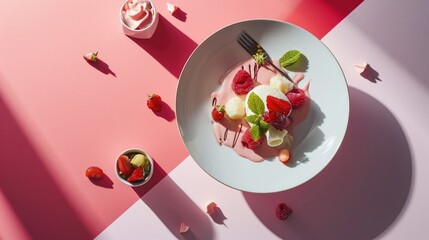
[279, 70]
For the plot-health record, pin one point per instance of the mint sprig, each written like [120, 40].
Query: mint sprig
[255, 103]
[257, 106]
[289, 58]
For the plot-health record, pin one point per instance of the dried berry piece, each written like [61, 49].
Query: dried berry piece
[283, 211]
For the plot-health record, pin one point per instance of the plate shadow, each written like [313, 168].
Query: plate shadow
[173, 207]
[362, 192]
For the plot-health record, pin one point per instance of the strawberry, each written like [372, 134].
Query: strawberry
[283, 211]
[242, 82]
[284, 155]
[137, 175]
[278, 105]
[91, 57]
[218, 113]
[211, 207]
[154, 102]
[296, 97]
[94, 172]
[124, 165]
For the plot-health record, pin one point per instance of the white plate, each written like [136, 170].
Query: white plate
[317, 139]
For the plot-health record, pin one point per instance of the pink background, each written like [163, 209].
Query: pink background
[59, 115]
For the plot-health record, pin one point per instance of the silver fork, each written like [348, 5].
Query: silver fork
[252, 47]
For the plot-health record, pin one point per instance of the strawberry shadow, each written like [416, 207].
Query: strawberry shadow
[105, 181]
[370, 74]
[218, 217]
[180, 14]
[101, 66]
[169, 46]
[166, 112]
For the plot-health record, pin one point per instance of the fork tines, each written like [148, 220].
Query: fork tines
[245, 44]
[252, 47]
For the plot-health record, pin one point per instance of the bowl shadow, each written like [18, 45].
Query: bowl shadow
[169, 46]
[173, 207]
[362, 192]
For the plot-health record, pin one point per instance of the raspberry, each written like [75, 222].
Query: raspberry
[278, 120]
[269, 116]
[248, 141]
[296, 97]
[283, 211]
[242, 82]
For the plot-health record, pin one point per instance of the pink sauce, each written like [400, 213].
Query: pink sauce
[228, 132]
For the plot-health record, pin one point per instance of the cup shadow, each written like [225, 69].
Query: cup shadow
[362, 192]
[169, 46]
[36, 199]
[173, 207]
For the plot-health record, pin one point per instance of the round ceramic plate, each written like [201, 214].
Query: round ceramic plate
[317, 138]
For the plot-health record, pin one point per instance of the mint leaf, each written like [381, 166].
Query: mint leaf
[289, 58]
[255, 103]
[263, 126]
[253, 119]
[255, 132]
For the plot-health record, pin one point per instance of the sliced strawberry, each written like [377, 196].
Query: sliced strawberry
[124, 165]
[94, 172]
[278, 105]
[137, 175]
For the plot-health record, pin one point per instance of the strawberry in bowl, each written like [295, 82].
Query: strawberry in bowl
[134, 167]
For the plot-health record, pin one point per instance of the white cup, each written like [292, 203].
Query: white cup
[144, 33]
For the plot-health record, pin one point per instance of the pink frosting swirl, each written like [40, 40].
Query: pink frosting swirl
[137, 14]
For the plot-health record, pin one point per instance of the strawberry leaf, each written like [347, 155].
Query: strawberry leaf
[289, 58]
[255, 103]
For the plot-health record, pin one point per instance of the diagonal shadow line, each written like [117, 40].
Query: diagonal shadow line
[169, 46]
[27, 185]
[320, 17]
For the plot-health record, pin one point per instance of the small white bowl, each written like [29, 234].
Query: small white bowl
[130, 153]
[144, 33]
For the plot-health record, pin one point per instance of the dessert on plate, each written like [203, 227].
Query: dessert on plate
[256, 109]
